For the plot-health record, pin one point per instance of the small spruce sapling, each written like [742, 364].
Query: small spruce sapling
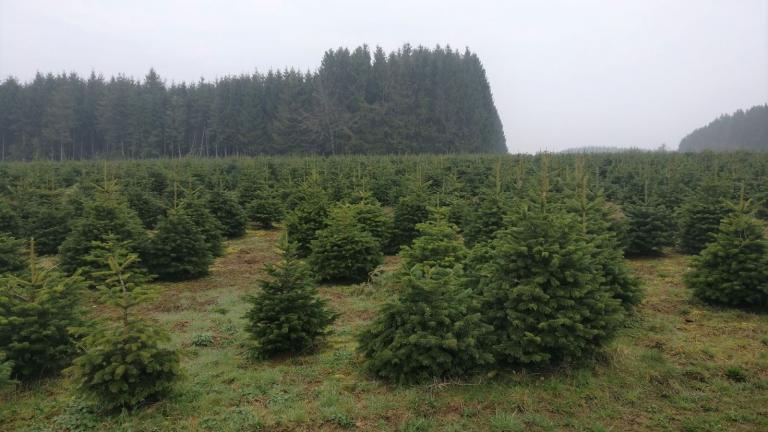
[287, 316]
[123, 362]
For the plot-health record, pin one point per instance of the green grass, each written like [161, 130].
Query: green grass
[678, 366]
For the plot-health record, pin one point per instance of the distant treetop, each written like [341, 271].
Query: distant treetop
[742, 130]
[413, 100]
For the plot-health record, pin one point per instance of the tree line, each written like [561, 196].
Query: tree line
[742, 130]
[413, 100]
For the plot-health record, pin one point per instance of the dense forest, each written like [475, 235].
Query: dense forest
[414, 100]
[742, 130]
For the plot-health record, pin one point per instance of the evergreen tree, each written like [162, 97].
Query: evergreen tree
[650, 229]
[369, 214]
[306, 220]
[9, 220]
[699, 217]
[438, 245]
[433, 330]
[210, 227]
[410, 211]
[37, 310]
[287, 316]
[343, 251]
[106, 215]
[10, 254]
[224, 207]
[5, 372]
[44, 218]
[541, 289]
[123, 362]
[148, 207]
[178, 250]
[485, 218]
[264, 209]
[732, 270]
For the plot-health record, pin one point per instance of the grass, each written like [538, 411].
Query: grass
[678, 366]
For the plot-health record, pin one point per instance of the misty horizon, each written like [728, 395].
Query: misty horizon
[631, 75]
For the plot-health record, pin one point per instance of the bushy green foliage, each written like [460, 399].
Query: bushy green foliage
[37, 310]
[106, 215]
[287, 316]
[178, 250]
[372, 218]
[541, 289]
[438, 245]
[343, 251]
[44, 217]
[650, 229]
[303, 223]
[9, 221]
[732, 270]
[123, 362]
[10, 254]
[699, 219]
[5, 372]
[265, 209]
[209, 226]
[148, 207]
[224, 207]
[486, 216]
[410, 211]
[433, 330]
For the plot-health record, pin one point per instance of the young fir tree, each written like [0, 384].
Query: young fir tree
[44, 217]
[37, 310]
[373, 219]
[265, 209]
[410, 211]
[699, 218]
[106, 215]
[542, 289]
[10, 223]
[287, 316]
[11, 252]
[732, 270]
[485, 218]
[433, 330]
[224, 207]
[209, 226]
[123, 362]
[306, 219]
[148, 206]
[343, 251]
[6, 367]
[178, 250]
[438, 245]
[649, 229]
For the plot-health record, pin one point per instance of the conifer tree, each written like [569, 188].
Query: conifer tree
[44, 217]
[699, 219]
[123, 362]
[9, 220]
[148, 207]
[306, 220]
[5, 372]
[438, 244]
[37, 310]
[649, 231]
[485, 218]
[210, 227]
[10, 254]
[224, 207]
[265, 209]
[343, 251]
[178, 250]
[287, 316]
[432, 330]
[372, 218]
[106, 215]
[410, 211]
[732, 270]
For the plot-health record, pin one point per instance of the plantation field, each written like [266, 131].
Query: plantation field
[678, 365]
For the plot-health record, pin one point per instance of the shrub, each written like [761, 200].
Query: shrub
[287, 316]
[343, 251]
[733, 269]
[265, 209]
[541, 289]
[178, 250]
[432, 330]
[123, 362]
[106, 215]
[10, 254]
[36, 312]
[224, 207]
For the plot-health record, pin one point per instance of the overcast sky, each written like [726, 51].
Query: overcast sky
[563, 73]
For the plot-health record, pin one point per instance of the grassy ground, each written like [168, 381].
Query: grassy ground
[680, 366]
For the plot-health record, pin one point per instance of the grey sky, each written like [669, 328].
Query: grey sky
[563, 73]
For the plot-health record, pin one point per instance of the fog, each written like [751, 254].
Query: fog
[563, 73]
